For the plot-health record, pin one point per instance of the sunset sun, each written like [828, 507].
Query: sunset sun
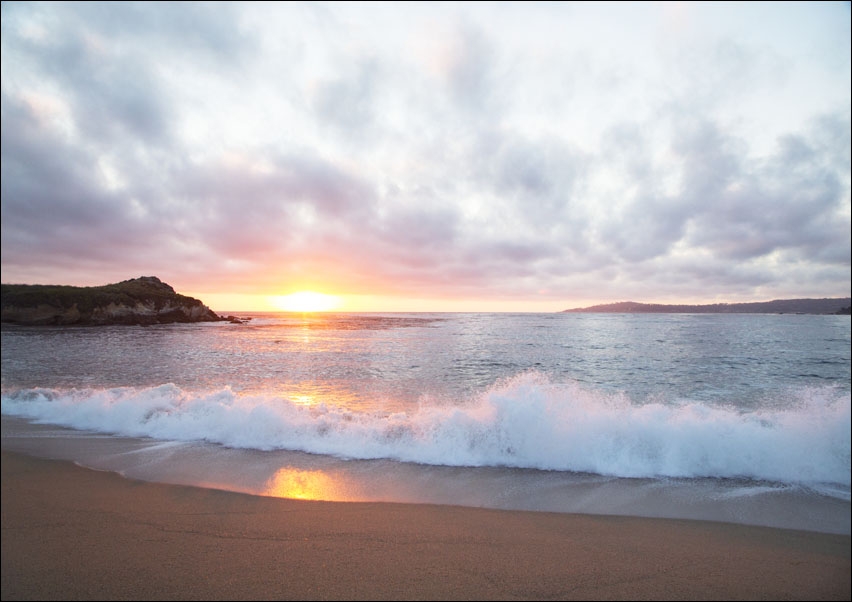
[305, 301]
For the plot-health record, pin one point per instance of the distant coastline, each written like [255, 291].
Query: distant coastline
[837, 306]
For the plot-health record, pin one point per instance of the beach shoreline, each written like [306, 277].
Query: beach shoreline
[75, 533]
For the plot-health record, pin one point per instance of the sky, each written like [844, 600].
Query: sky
[430, 156]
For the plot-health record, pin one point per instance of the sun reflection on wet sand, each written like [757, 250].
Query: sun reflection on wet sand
[300, 484]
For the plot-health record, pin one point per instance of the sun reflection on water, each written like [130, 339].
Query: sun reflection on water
[303, 400]
[311, 394]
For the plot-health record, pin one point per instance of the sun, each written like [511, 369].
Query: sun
[305, 302]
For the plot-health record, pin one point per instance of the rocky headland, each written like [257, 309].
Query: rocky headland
[143, 301]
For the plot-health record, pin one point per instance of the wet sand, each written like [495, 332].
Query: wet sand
[73, 533]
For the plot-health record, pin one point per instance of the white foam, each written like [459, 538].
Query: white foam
[525, 422]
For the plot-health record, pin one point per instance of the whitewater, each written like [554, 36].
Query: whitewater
[742, 418]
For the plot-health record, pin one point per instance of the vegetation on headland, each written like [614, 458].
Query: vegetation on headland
[840, 306]
[144, 300]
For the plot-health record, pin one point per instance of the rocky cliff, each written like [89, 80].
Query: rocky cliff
[145, 300]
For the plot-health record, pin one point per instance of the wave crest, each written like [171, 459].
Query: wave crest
[524, 422]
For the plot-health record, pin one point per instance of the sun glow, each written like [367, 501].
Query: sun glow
[299, 484]
[305, 301]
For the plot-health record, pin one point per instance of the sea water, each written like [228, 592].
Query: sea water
[734, 417]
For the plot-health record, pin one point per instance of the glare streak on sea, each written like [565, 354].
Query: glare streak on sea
[735, 417]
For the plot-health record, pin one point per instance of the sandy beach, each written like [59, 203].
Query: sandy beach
[76, 534]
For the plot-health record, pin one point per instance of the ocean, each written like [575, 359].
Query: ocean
[741, 418]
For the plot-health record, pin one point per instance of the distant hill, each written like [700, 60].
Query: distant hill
[779, 306]
[145, 300]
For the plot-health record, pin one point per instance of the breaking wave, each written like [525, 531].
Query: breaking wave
[524, 422]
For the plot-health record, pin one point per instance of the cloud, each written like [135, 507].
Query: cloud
[347, 103]
[54, 204]
[450, 151]
[792, 201]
